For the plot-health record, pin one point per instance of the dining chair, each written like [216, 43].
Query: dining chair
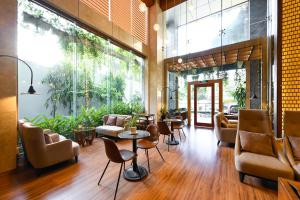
[150, 142]
[163, 129]
[179, 126]
[117, 156]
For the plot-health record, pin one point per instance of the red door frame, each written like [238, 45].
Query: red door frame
[197, 85]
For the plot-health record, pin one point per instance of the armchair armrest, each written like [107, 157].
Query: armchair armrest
[288, 151]
[237, 147]
[59, 151]
[279, 150]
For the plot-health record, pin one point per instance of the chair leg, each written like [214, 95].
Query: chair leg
[218, 142]
[183, 133]
[179, 134]
[242, 176]
[164, 138]
[147, 154]
[76, 158]
[168, 143]
[103, 172]
[160, 153]
[118, 181]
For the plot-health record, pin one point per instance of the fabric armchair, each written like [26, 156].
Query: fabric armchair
[292, 129]
[260, 164]
[223, 134]
[40, 154]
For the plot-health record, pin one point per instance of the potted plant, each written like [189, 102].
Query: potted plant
[132, 124]
[163, 113]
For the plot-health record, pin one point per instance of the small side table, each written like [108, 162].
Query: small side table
[84, 135]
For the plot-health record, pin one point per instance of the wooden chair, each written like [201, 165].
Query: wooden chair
[117, 156]
[179, 126]
[150, 142]
[164, 130]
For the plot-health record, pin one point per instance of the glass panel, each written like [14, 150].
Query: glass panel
[204, 109]
[235, 23]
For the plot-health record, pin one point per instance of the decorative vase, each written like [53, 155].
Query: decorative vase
[133, 130]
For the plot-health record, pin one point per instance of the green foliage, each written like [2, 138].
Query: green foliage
[132, 122]
[239, 94]
[88, 117]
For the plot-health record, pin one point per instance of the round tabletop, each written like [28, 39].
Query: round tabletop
[139, 135]
[172, 120]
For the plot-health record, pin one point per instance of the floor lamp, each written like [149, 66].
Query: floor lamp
[31, 89]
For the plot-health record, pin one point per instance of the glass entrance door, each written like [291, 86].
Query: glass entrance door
[204, 104]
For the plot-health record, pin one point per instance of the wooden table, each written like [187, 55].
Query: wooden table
[134, 172]
[173, 141]
[84, 135]
[146, 116]
[285, 191]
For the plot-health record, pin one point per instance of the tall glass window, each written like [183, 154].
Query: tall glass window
[73, 68]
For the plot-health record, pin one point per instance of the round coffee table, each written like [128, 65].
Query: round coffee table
[134, 172]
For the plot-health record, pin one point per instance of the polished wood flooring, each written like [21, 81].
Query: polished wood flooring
[196, 169]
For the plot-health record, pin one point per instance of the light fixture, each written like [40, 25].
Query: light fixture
[179, 60]
[142, 7]
[31, 90]
[156, 27]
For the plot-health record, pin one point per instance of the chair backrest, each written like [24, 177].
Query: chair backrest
[217, 121]
[154, 134]
[291, 123]
[34, 142]
[255, 120]
[163, 128]
[112, 151]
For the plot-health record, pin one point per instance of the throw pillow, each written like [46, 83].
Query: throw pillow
[111, 121]
[295, 144]
[224, 124]
[231, 125]
[120, 121]
[226, 120]
[257, 143]
[48, 139]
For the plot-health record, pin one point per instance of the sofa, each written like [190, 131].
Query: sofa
[113, 124]
[257, 152]
[224, 129]
[292, 140]
[45, 148]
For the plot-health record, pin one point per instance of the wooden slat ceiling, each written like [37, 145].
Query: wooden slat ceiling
[229, 54]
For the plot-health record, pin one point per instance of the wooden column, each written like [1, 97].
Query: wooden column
[8, 85]
[264, 75]
[248, 85]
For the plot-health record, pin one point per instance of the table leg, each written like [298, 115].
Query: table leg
[173, 141]
[135, 172]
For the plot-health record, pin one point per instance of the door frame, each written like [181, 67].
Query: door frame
[205, 85]
[218, 81]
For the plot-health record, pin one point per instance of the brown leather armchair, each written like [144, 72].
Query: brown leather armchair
[224, 134]
[40, 154]
[292, 128]
[254, 164]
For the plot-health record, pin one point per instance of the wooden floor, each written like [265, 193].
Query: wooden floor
[195, 169]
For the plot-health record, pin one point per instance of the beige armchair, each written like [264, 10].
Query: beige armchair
[292, 129]
[257, 164]
[40, 154]
[224, 133]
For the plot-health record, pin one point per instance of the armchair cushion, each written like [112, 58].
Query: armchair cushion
[295, 144]
[224, 124]
[256, 143]
[111, 121]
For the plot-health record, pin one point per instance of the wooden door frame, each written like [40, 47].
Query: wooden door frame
[212, 86]
[219, 81]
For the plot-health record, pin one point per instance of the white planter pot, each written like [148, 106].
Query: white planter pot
[133, 130]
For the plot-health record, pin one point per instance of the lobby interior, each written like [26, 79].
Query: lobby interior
[149, 99]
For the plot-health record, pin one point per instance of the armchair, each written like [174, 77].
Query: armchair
[40, 154]
[259, 164]
[224, 134]
[292, 132]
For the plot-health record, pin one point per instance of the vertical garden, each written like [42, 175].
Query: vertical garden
[79, 76]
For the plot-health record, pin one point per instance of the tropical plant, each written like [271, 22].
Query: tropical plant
[132, 122]
[239, 94]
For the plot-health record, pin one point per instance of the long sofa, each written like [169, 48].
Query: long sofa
[113, 124]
